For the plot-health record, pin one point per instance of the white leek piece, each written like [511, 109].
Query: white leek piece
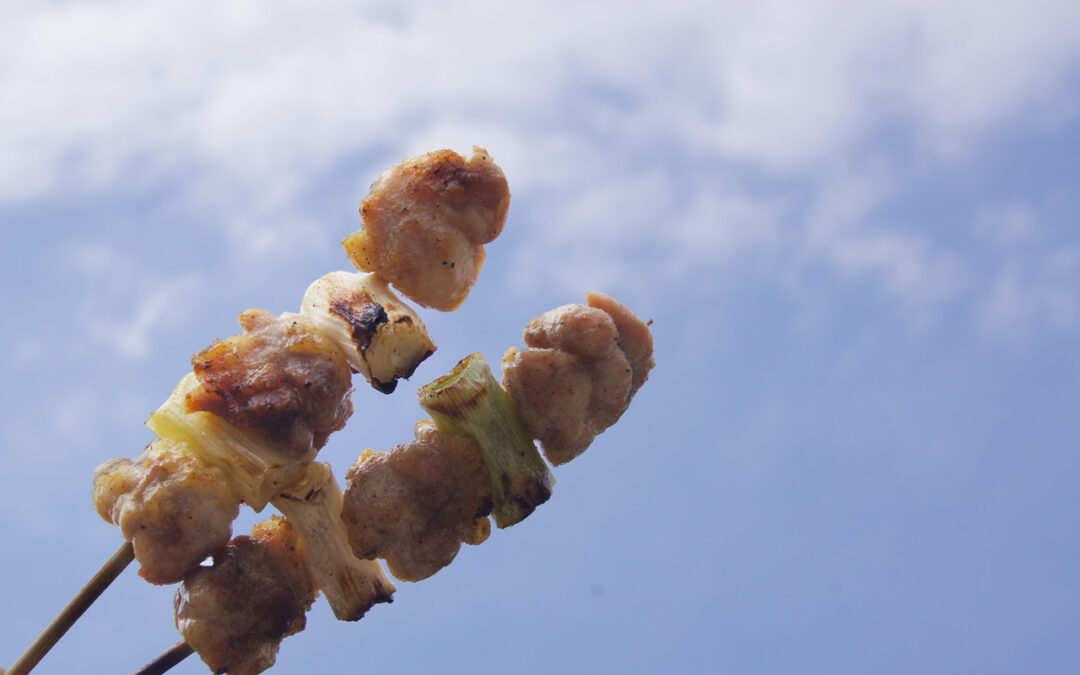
[470, 401]
[313, 505]
[381, 336]
[254, 467]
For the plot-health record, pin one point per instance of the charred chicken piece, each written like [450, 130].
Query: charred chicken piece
[425, 223]
[236, 612]
[174, 509]
[416, 504]
[382, 338]
[279, 376]
[582, 365]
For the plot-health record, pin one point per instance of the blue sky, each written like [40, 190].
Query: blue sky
[855, 227]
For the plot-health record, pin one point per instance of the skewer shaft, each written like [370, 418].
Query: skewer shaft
[174, 655]
[74, 610]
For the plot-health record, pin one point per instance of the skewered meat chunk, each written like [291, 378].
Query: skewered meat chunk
[174, 509]
[635, 339]
[582, 365]
[280, 377]
[382, 337]
[417, 503]
[236, 612]
[425, 223]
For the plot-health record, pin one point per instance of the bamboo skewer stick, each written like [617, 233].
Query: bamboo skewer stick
[70, 614]
[169, 658]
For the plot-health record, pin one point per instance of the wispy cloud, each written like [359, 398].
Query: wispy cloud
[120, 298]
[1007, 224]
[1022, 298]
[243, 110]
[154, 309]
[260, 96]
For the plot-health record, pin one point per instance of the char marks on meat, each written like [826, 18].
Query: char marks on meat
[236, 612]
[280, 377]
[582, 365]
[425, 223]
[172, 507]
[416, 504]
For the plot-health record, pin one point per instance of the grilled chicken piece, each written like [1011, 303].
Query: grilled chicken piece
[174, 509]
[279, 376]
[425, 223]
[382, 337]
[236, 612]
[582, 365]
[635, 339]
[416, 504]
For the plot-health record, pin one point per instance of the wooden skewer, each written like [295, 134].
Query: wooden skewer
[70, 614]
[169, 658]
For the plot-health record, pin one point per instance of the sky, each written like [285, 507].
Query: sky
[855, 227]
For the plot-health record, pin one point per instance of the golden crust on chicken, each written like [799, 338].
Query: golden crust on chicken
[425, 223]
[635, 339]
[280, 377]
[416, 504]
[578, 373]
[173, 508]
[236, 612]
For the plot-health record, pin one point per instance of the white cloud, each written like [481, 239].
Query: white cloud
[257, 96]
[1007, 224]
[720, 224]
[1023, 299]
[1012, 55]
[244, 110]
[154, 309]
[798, 84]
[906, 266]
[845, 231]
[1032, 260]
[119, 297]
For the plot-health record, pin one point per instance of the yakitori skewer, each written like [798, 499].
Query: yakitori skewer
[246, 424]
[169, 658]
[75, 609]
[465, 199]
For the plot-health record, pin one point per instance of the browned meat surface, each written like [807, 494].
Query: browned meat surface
[280, 377]
[635, 339]
[425, 223]
[582, 365]
[236, 612]
[173, 508]
[416, 504]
